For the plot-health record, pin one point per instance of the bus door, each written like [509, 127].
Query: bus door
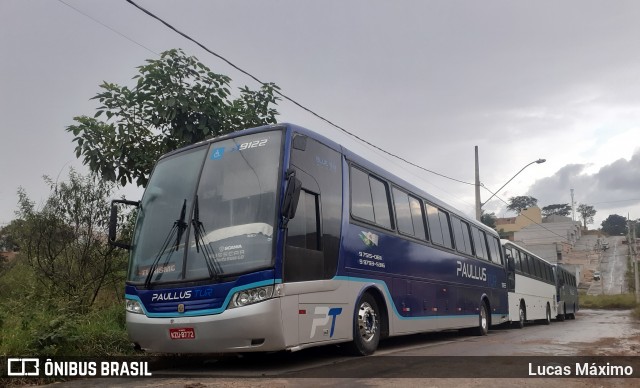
[511, 269]
[313, 242]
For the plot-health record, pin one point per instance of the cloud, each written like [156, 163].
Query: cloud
[613, 186]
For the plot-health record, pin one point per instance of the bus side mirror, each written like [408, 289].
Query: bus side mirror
[291, 195]
[511, 264]
[113, 222]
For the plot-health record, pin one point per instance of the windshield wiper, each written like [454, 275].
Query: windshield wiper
[209, 255]
[178, 228]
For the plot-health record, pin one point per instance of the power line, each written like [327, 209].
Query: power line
[284, 95]
[109, 28]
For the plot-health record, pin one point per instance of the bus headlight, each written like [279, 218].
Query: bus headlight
[251, 296]
[133, 306]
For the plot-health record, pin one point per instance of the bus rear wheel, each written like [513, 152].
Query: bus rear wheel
[547, 320]
[483, 317]
[573, 314]
[366, 327]
[521, 317]
[563, 316]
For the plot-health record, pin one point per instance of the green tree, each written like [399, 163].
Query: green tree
[557, 209]
[177, 101]
[518, 204]
[8, 240]
[65, 241]
[614, 225]
[586, 213]
[488, 219]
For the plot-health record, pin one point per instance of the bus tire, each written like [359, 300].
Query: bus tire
[573, 314]
[366, 327]
[483, 320]
[547, 320]
[522, 316]
[563, 316]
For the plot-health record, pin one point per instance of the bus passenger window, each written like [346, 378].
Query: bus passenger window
[403, 212]
[408, 214]
[480, 243]
[461, 233]
[361, 203]
[446, 229]
[417, 217]
[494, 248]
[370, 198]
[518, 259]
[526, 264]
[380, 198]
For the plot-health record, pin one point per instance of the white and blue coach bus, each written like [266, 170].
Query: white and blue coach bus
[277, 238]
[531, 286]
[566, 293]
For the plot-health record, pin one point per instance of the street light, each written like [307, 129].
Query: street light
[480, 205]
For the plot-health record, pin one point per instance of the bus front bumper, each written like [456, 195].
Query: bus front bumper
[252, 328]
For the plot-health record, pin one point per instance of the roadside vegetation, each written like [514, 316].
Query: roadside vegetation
[35, 323]
[610, 302]
[62, 294]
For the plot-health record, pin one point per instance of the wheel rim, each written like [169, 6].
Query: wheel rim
[521, 316]
[483, 318]
[367, 322]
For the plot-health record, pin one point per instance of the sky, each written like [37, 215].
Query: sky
[426, 80]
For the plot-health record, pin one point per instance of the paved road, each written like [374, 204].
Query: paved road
[613, 267]
[593, 333]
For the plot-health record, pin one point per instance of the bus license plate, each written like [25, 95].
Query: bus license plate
[182, 333]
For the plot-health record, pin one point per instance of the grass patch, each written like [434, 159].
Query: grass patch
[620, 301]
[35, 323]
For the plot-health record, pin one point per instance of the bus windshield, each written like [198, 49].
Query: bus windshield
[209, 212]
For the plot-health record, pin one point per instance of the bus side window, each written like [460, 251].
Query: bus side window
[538, 267]
[507, 252]
[520, 264]
[480, 243]
[361, 203]
[408, 214]
[439, 227]
[523, 263]
[446, 229]
[370, 198]
[417, 216]
[435, 230]
[380, 196]
[494, 248]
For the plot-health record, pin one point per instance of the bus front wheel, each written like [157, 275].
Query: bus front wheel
[366, 327]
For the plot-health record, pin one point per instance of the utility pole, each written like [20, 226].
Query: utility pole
[573, 207]
[632, 247]
[478, 205]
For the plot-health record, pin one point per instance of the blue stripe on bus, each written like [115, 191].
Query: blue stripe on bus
[196, 313]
